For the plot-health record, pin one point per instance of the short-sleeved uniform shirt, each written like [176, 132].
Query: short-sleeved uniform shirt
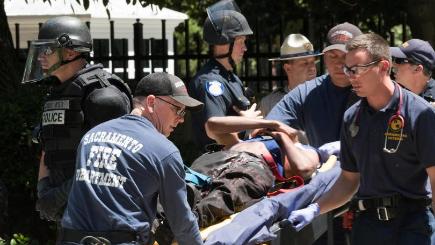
[123, 166]
[219, 90]
[270, 100]
[363, 137]
[317, 107]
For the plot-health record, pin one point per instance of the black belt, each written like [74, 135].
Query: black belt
[114, 237]
[387, 208]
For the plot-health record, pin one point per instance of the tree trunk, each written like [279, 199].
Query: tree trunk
[9, 73]
[421, 20]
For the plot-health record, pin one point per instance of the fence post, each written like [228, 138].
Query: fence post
[138, 49]
[175, 55]
[198, 51]
[186, 48]
[153, 60]
[164, 46]
[125, 58]
[257, 53]
[17, 37]
[269, 65]
[112, 41]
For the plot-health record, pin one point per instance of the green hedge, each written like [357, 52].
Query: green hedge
[19, 112]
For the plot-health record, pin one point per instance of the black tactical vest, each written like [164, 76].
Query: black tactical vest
[63, 121]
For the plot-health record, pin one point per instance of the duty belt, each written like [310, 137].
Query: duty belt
[387, 208]
[115, 237]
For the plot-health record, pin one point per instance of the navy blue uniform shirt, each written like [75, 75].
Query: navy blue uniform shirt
[383, 174]
[219, 90]
[123, 166]
[429, 93]
[317, 107]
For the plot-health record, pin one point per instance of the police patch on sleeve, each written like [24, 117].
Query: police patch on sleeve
[215, 88]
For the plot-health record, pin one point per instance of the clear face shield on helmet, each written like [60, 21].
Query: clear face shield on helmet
[43, 58]
[214, 10]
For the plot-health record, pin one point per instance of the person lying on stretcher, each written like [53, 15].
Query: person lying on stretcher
[245, 171]
[291, 157]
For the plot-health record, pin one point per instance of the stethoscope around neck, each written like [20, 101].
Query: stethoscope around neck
[354, 126]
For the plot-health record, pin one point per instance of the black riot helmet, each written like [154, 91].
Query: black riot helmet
[46, 53]
[69, 32]
[224, 23]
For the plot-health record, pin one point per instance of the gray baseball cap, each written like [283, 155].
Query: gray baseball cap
[339, 35]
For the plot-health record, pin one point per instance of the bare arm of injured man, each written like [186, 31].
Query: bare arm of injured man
[297, 160]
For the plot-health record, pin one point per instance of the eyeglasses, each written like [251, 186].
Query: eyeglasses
[179, 110]
[400, 61]
[357, 70]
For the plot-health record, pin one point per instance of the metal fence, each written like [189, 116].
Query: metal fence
[152, 54]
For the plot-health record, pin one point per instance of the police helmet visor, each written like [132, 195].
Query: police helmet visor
[43, 58]
[213, 12]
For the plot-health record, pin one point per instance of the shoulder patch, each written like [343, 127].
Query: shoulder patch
[215, 88]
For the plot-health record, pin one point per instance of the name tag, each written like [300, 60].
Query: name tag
[53, 117]
[56, 105]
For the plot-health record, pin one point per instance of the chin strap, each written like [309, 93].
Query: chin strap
[81, 56]
[64, 62]
[228, 55]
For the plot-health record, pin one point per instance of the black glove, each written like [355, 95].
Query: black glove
[52, 200]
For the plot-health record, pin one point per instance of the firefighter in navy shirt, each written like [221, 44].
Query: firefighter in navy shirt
[317, 106]
[386, 155]
[125, 165]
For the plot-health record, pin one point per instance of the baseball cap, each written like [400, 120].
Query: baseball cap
[416, 50]
[296, 46]
[339, 35]
[161, 83]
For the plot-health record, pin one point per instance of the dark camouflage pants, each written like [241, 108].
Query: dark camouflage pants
[239, 179]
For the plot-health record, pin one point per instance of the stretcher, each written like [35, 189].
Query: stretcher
[266, 220]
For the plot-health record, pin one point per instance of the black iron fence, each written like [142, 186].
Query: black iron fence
[151, 54]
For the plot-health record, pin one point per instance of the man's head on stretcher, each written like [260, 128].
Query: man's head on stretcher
[296, 159]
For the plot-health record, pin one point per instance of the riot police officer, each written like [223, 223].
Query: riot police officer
[216, 85]
[80, 96]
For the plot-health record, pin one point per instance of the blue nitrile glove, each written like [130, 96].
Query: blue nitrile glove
[302, 217]
[328, 149]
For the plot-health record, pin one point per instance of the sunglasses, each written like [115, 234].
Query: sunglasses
[357, 70]
[400, 61]
[179, 110]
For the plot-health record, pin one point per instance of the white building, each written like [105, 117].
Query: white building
[30, 15]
